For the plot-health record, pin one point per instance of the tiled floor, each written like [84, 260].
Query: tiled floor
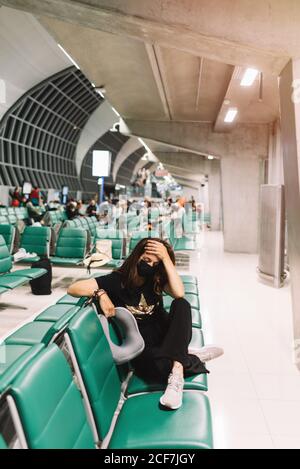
[254, 389]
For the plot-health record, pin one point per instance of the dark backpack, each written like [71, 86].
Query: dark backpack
[42, 285]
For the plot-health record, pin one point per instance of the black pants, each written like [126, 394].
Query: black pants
[167, 337]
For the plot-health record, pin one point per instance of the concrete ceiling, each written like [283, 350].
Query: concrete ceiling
[178, 60]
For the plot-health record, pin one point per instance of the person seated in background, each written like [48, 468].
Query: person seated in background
[91, 210]
[34, 212]
[16, 197]
[24, 201]
[138, 286]
[71, 209]
[80, 208]
[35, 196]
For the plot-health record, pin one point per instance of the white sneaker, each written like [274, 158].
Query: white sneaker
[172, 397]
[207, 353]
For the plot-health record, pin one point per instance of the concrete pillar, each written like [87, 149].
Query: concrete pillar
[214, 189]
[290, 133]
[240, 196]
[275, 158]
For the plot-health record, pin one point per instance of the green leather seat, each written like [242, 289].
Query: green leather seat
[184, 244]
[32, 333]
[141, 423]
[3, 220]
[192, 299]
[12, 281]
[138, 235]
[191, 288]
[71, 247]
[36, 239]
[137, 385]
[3, 445]
[56, 312]
[189, 279]
[29, 273]
[3, 290]
[19, 277]
[41, 330]
[8, 232]
[116, 238]
[49, 404]
[71, 300]
[13, 359]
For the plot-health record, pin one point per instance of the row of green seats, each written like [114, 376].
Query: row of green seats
[39, 391]
[9, 280]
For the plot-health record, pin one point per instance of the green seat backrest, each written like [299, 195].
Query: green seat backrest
[11, 211]
[71, 243]
[97, 367]
[12, 219]
[24, 212]
[3, 445]
[3, 219]
[49, 404]
[3, 211]
[5, 257]
[36, 239]
[77, 222]
[13, 358]
[136, 237]
[116, 238]
[8, 233]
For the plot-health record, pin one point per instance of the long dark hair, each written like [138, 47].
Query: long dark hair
[129, 272]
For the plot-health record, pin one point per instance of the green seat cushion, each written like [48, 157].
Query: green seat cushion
[31, 333]
[41, 331]
[55, 312]
[65, 260]
[28, 260]
[143, 424]
[13, 358]
[189, 279]
[138, 385]
[3, 290]
[12, 281]
[49, 404]
[30, 273]
[71, 300]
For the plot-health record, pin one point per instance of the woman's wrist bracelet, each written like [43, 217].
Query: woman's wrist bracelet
[98, 293]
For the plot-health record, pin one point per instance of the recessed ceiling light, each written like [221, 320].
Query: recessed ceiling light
[231, 114]
[226, 101]
[249, 77]
[210, 157]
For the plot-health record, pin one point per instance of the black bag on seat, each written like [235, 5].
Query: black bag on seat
[42, 285]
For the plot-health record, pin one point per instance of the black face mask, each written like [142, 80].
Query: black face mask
[145, 270]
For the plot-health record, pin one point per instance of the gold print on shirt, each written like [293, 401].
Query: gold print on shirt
[142, 308]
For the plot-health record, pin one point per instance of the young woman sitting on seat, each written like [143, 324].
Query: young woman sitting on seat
[138, 286]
